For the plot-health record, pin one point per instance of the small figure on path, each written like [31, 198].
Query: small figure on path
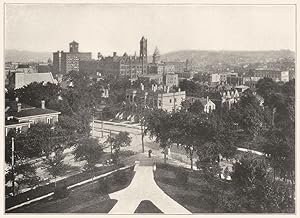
[149, 153]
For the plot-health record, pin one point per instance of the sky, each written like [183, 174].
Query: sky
[108, 28]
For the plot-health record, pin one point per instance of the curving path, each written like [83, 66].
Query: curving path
[144, 187]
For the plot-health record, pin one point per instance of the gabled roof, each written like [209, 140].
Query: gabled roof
[33, 112]
[26, 110]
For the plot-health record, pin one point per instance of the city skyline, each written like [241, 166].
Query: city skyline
[109, 28]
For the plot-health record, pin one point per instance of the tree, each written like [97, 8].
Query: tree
[280, 147]
[116, 142]
[90, 150]
[55, 164]
[265, 87]
[122, 140]
[44, 139]
[157, 123]
[196, 107]
[255, 189]
[248, 116]
[23, 175]
[34, 93]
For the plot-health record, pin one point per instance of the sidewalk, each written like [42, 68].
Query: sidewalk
[144, 187]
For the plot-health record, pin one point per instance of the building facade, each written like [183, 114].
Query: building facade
[20, 116]
[125, 65]
[64, 62]
[276, 75]
[170, 79]
[159, 97]
[208, 105]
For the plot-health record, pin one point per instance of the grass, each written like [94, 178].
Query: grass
[147, 207]
[193, 195]
[43, 190]
[86, 198]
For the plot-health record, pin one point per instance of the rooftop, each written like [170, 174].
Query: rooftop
[33, 112]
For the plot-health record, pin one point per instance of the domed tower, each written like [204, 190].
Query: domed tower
[73, 47]
[156, 56]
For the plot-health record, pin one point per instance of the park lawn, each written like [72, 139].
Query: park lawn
[86, 198]
[147, 207]
[194, 195]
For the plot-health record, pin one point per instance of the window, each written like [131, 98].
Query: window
[170, 100]
[49, 120]
[174, 99]
[159, 103]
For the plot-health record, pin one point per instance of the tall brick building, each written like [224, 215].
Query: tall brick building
[64, 62]
[124, 65]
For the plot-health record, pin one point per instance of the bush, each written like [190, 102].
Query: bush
[181, 176]
[103, 186]
[61, 192]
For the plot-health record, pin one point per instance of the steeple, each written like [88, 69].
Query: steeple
[156, 56]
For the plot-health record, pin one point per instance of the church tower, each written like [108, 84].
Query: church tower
[156, 56]
[143, 54]
[143, 49]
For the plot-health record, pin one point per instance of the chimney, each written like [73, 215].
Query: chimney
[43, 104]
[152, 87]
[179, 90]
[17, 99]
[142, 86]
[114, 54]
[19, 107]
[168, 89]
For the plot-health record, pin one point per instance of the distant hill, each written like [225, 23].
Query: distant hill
[26, 56]
[197, 57]
[202, 58]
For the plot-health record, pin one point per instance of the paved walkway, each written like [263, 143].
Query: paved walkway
[144, 187]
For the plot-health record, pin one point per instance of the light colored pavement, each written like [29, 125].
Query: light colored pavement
[144, 187]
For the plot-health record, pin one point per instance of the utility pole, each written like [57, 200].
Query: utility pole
[13, 164]
[191, 156]
[142, 132]
[101, 124]
[174, 101]
[110, 141]
[93, 125]
[273, 116]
